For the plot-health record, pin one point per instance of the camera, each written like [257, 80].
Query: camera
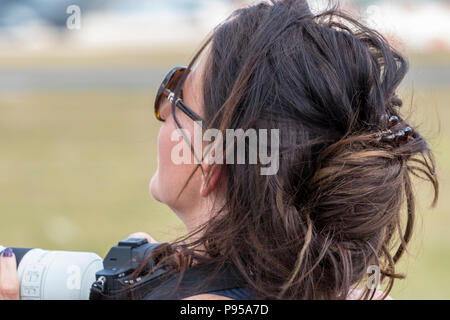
[113, 281]
[72, 275]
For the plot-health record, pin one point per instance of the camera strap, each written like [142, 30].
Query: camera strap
[197, 280]
[162, 286]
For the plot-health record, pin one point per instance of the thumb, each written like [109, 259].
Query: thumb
[9, 280]
[143, 235]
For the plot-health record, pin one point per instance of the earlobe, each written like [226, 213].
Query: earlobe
[216, 173]
[203, 187]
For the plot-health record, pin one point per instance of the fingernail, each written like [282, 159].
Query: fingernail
[7, 252]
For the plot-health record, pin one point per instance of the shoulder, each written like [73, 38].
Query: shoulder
[207, 296]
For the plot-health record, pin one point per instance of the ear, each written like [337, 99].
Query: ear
[218, 175]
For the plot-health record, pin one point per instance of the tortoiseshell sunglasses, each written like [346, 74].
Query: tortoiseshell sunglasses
[166, 91]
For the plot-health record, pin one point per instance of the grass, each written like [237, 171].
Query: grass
[75, 167]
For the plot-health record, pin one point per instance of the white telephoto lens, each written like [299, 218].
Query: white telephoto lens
[57, 275]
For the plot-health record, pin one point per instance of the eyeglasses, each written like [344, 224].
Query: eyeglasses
[166, 91]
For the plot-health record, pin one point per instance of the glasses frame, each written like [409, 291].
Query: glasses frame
[165, 92]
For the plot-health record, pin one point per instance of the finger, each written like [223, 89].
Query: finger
[143, 235]
[9, 279]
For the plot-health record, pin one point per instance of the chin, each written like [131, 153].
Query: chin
[153, 188]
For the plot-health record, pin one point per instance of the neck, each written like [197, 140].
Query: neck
[199, 215]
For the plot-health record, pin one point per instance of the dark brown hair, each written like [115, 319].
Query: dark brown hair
[341, 200]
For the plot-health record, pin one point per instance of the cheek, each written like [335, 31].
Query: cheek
[159, 183]
[166, 167]
[170, 177]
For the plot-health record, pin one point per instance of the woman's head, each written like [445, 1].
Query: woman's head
[341, 200]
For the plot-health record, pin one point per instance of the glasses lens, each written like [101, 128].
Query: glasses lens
[168, 85]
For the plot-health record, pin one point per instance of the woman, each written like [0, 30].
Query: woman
[333, 208]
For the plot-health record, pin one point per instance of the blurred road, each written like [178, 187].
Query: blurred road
[81, 78]
[141, 77]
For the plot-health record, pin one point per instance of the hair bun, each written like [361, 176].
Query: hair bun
[357, 196]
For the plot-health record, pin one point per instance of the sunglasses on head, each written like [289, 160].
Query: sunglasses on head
[166, 91]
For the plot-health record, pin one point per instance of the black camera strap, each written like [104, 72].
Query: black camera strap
[162, 286]
[197, 280]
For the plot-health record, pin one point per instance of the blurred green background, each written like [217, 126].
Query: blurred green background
[75, 163]
[76, 160]
[75, 167]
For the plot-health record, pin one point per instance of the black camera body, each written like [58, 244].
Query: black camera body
[115, 279]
